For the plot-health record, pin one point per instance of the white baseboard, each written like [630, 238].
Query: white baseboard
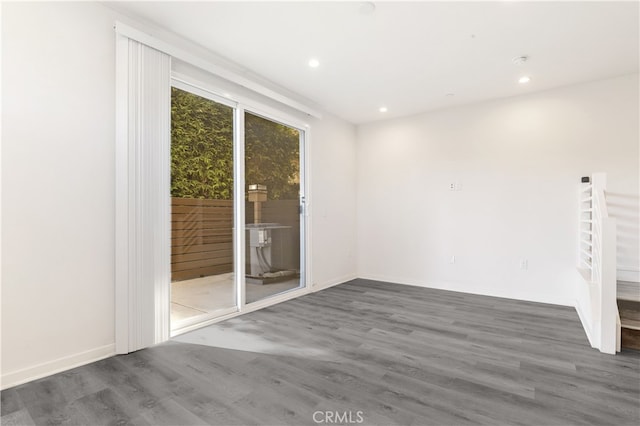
[45, 369]
[336, 281]
[586, 324]
[464, 289]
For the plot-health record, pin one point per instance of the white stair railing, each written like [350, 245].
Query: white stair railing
[597, 254]
[585, 255]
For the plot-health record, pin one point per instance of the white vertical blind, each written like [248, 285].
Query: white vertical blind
[143, 205]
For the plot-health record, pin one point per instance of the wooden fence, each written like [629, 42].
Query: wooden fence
[201, 237]
[202, 234]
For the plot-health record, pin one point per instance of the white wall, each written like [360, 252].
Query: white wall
[625, 208]
[333, 203]
[58, 177]
[57, 186]
[519, 161]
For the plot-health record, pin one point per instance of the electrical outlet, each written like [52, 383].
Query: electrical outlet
[452, 186]
[524, 264]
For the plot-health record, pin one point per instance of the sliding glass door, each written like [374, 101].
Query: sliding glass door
[273, 210]
[268, 242]
[202, 209]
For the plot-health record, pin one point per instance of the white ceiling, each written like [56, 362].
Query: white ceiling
[408, 56]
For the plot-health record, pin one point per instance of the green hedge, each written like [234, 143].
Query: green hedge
[202, 151]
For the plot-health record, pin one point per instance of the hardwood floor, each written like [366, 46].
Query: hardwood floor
[383, 353]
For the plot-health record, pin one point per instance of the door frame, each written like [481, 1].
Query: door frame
[240, 106]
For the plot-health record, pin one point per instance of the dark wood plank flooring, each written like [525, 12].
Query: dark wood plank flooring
[384, 353]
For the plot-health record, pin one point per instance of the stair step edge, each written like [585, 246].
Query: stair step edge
[630, 326]
[628, 290]
[629, 299]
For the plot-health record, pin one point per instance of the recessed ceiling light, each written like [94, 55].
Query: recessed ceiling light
[314, 63]
[524, 79]
[382, 109]
[450, 95]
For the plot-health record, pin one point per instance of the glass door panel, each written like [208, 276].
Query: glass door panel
[202, 209]
[272, 213]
